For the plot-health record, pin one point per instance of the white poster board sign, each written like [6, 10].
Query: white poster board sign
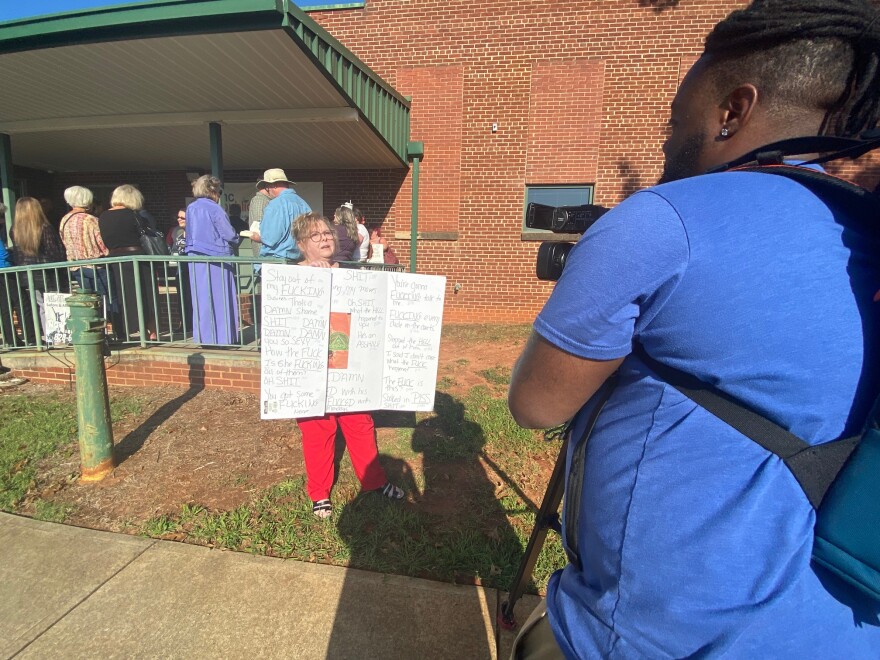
[54, 313]
[412, 341]
[296, 328]
[381, 343]
[358, 308]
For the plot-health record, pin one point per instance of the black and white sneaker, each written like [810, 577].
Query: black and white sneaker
[391, 491]
[322, 509]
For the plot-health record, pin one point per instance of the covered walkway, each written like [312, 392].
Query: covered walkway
[201, 85]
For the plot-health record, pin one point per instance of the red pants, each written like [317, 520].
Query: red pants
[319, 436]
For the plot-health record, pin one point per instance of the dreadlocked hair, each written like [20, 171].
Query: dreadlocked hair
[806, 55]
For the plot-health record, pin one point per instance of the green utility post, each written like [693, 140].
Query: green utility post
[93, 405]
[415, 151]
[7, 188]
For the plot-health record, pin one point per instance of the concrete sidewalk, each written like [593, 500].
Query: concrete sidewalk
[68, 592]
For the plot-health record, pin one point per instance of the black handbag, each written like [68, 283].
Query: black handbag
[152, 241]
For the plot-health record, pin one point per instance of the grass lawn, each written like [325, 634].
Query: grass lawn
[473, 479]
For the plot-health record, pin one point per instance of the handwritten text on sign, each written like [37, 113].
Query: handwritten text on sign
[295, 334]
[412, 341]
[381, 341]
[356, 383]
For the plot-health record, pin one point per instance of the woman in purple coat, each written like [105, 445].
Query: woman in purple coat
[213, 285]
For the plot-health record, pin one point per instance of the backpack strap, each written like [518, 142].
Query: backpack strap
[824, 185]
[814, 467]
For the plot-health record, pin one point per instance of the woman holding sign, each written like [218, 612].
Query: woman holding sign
[316, 239]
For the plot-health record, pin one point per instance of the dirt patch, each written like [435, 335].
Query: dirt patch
[177, 446]
[183, 446]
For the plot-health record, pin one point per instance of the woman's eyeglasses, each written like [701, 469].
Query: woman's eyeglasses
[318, 236]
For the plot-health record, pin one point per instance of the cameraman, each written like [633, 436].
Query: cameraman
[685, 537]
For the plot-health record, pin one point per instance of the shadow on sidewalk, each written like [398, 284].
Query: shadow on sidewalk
[136, 438]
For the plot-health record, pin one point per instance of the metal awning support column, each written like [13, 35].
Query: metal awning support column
[6, 183]
[415, 151]
[216, 149]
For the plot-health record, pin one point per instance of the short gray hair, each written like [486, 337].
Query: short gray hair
[128, 196]
[207, 186]
[78, 197]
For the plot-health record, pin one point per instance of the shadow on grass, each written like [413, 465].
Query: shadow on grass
[453, 527]
[393, 419]
[136, 438]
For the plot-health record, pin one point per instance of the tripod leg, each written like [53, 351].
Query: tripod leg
[547, 517]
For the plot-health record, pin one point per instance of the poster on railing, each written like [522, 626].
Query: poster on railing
[412, 341]
[295, 336]
[381, 344]
[54, 313]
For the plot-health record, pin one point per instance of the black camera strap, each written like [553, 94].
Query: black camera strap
[575, 481]
[834, 148]
[814, 467]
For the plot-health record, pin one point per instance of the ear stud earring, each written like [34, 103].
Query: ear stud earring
[725, 132]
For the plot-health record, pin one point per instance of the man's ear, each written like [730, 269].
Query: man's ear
[738, 108]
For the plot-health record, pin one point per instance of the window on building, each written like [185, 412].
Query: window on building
[571, 195]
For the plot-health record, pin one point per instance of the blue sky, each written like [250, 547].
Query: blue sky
[13, 9]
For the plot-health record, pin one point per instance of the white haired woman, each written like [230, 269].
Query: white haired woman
[214, 291]
[120, 230]
[316, 239]
[82, 240]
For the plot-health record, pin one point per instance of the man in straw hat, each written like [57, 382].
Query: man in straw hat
[285, 205]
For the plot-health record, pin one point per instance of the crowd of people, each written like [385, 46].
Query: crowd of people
[282, 224]
[207, 291]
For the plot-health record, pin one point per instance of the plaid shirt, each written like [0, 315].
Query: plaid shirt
[81, 237]
[255, 210]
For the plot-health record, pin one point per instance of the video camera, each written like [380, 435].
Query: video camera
[559, 220]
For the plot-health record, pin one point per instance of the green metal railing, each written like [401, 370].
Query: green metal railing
[147, 300]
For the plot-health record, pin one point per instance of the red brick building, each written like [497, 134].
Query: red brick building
[505, 95]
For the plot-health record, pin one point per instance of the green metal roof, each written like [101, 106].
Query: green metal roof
[145, 75]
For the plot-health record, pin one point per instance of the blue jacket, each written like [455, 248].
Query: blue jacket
[277, 241]
[4, 256]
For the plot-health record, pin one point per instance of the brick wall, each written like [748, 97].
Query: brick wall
[436, 118]
[138, 369]
[565, 112]
[580, 92]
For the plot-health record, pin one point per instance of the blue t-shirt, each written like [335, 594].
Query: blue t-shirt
[695, 541]
[4, 256]
[275, 236]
